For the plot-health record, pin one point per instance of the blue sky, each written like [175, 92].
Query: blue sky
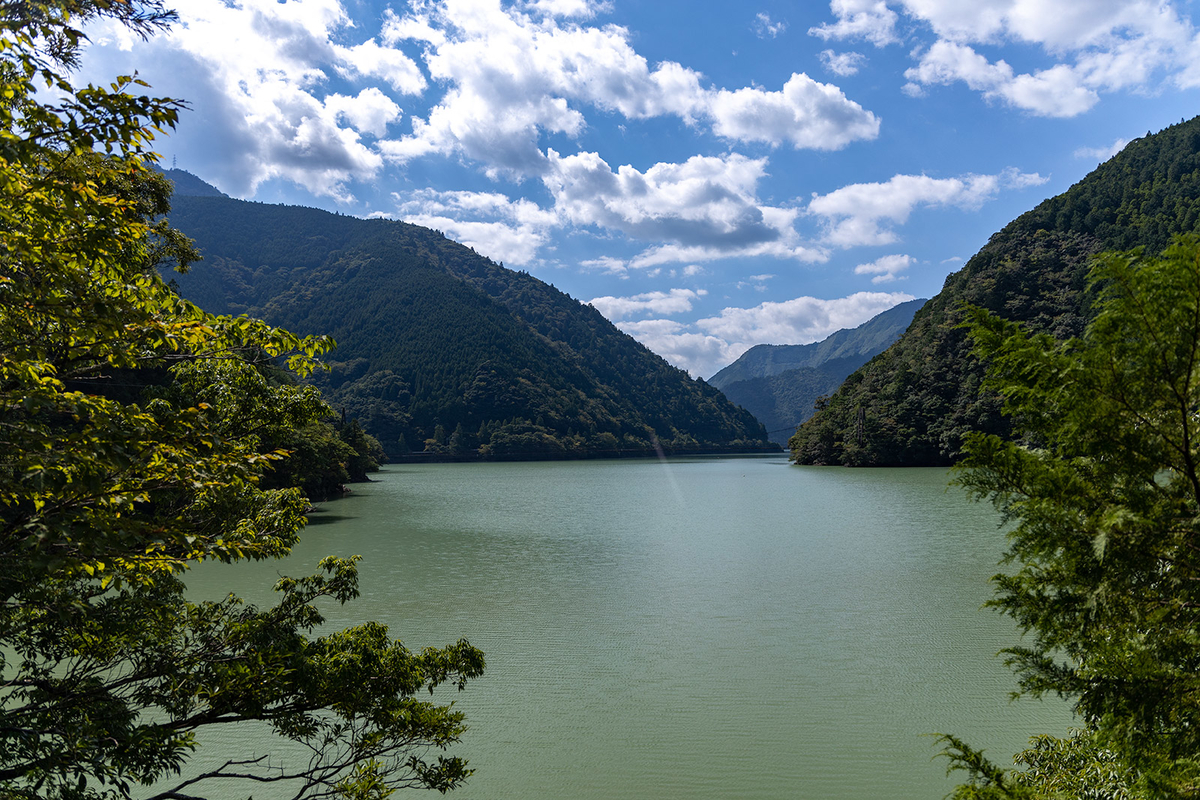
[709, 175]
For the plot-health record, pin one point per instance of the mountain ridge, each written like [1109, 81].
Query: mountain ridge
[867, 339]
[913, 404]
[444, 352]
[781, 384]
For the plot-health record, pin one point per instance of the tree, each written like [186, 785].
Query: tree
[367, 451]
[1103, 491]
[109, 493]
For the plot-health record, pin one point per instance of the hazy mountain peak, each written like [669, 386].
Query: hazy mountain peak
[189, 185]
[872, 337]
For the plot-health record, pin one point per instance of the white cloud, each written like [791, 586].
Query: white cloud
[370, 112]
[869, 20]
[764, 27]
[1092, 46]
[698, 353]
[515, 73]
[583, 9]
[677, 254]
[704, 208]
[714, 342]
[675, 301]
[255, 73]
[1055, 92]
[885, 268]
[609, 265]
[494, 225]
[842, 64]
[372, 60]
[798, 321]
[1057, 26]
[1102, 153]
[859, 214]
[806, 113]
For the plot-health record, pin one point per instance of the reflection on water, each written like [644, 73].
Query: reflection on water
[706, 628]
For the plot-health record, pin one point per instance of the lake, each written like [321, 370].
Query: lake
[691, 628]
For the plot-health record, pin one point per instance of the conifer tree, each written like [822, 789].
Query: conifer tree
[1103, 490]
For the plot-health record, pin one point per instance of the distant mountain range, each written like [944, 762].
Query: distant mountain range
[913, 404]
[780, 383]
[442, 351]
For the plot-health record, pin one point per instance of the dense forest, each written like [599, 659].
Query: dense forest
[781, 383]
[914, 403]
[441, 351]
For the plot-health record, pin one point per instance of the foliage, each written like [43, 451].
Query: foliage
[1103, 489]
[915, 403]
[278, 417]
[1071, 768]
[433, 334]
[114, 480]
[783, 400]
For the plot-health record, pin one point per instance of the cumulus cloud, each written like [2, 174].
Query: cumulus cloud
[705, 208]
[859, 214]
[1056, 92]
[369, 59]
[299, 91]
[1094, 46]
[516, 73]
[842, 64]
[868, 20]
[806, 113]
[885, 269]
[255, 72]
[675, 301]
[370, 112]
[494, 225]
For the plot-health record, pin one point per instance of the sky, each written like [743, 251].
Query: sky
[709, 175]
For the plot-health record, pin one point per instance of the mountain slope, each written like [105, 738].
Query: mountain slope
[872, 337]
[441, 349]
[780, 383]
[913, 403]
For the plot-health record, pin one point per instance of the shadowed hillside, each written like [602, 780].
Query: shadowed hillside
[444, 351]
[912, 404]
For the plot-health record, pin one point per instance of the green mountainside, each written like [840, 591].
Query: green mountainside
[913, 403]
[780, 383]
[441, 350]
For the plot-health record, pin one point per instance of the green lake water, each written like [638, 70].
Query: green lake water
[695, 628]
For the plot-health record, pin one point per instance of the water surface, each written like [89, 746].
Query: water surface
[699, 628]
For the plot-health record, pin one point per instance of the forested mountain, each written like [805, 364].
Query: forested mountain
[913, 403]
[780, 383]
[440, 349]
